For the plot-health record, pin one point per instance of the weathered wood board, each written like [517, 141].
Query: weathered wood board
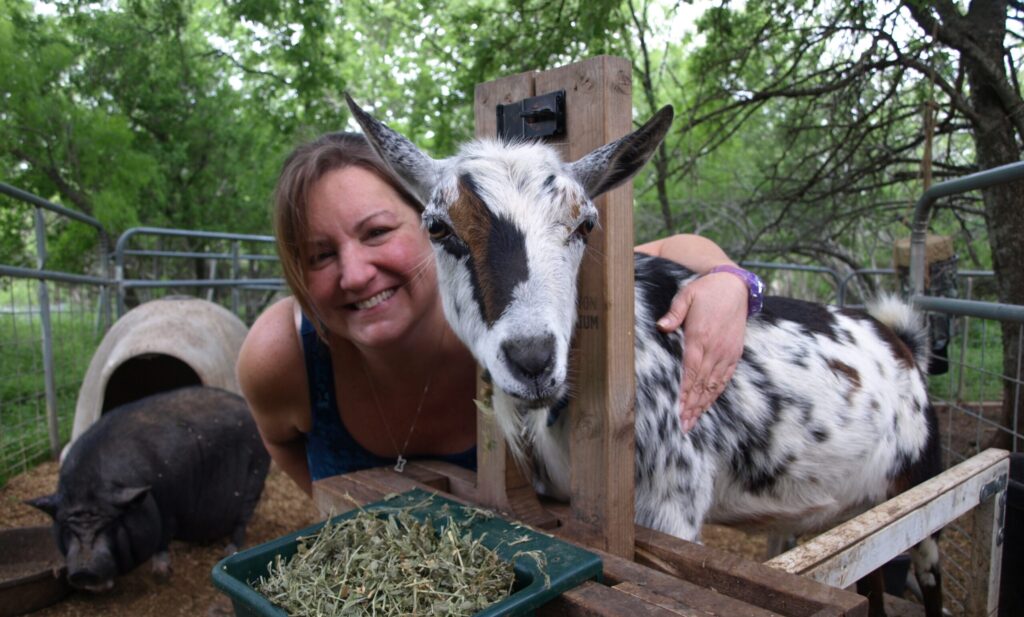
[848, 552]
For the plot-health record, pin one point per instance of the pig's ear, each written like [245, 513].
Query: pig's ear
[46, 503]
[129, 495]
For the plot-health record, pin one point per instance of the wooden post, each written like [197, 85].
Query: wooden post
[987, 550]
[598, 110]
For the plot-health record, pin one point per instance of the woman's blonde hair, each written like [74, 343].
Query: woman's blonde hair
[301, 170]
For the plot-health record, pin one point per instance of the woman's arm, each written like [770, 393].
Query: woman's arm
[273, 381]
[712, 311]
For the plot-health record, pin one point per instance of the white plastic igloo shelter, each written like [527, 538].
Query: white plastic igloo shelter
[158, 346]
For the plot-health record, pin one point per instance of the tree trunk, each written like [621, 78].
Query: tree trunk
[996, 143]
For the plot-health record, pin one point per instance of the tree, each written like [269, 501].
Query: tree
[840, 90]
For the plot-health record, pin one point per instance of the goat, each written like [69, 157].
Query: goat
[826, 415]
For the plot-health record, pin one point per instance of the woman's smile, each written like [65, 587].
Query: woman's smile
[373, 301]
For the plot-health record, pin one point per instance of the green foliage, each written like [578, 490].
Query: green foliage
[798, 136]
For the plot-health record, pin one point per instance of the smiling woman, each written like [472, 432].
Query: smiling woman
[365, 327]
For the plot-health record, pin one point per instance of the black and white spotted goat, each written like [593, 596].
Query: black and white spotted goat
[827, 413]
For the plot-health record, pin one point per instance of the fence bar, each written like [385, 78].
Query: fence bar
[35, 200]
[841, 293]
[797, 267]
[979, 180]
[47, 275]
[194, 255]
[235, 271]
[144, 283]
[44, 319]
[972, 308]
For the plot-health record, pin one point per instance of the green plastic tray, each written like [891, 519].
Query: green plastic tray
[567, 565]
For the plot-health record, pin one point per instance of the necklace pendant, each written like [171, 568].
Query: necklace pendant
[400, 464]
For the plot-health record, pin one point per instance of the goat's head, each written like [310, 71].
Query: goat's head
[509, 222]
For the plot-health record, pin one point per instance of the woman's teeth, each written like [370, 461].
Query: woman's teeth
[375, 300]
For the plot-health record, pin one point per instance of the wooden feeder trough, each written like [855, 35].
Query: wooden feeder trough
[31, 570]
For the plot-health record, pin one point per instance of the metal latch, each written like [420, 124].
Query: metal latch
[992, 488]
[533, 118]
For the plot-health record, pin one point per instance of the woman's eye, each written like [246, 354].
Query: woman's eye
[377, 232]
[438, 230]
[320, 257]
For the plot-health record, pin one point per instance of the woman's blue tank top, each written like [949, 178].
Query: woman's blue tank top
[330, 448]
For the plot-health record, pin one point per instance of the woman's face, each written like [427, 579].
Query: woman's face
[371, 272]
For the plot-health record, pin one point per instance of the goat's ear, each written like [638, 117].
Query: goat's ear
[417, 170]
[611, 165]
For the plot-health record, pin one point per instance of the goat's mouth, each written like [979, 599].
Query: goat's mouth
[528, 396]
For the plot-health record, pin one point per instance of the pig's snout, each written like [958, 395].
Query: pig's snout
[90, 581]
[90, 567]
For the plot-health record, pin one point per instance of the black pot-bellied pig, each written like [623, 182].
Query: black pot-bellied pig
[187, 464]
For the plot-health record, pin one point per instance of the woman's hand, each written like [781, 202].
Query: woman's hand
[712, 311]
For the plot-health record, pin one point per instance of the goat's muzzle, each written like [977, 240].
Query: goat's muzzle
[531, 361]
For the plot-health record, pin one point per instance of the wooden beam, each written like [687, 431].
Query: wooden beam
[987, 555]
[846, 553]
[595, 600]
[599, 110]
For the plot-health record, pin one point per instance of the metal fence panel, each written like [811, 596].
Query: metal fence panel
[52, 321]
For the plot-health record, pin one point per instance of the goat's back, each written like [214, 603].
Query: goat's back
[826, 412]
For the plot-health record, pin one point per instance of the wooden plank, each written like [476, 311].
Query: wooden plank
[593, 599]
[461, 481]
[741, 578]
[706, 575]
[849, 551]
[622, 573]
[650, 596]
[987, 555]
[503, 91]
[339, 494]
[599, 104]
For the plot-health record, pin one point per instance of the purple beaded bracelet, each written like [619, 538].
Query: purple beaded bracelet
[755, 286]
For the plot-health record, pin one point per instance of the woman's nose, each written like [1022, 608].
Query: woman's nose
[357, 269]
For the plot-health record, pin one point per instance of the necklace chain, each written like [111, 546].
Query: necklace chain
[401, 460]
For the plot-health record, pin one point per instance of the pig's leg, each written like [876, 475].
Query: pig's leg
[162, 565]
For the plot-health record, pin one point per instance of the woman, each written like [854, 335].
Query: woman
[359, 367]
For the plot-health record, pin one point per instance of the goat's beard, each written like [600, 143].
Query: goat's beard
[540, 449]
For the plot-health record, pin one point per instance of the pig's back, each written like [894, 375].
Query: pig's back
[197, 447]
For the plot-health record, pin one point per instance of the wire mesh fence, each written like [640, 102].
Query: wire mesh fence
[54, 315]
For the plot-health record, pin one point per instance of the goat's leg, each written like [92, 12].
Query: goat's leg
[925, 557]
[676, 504]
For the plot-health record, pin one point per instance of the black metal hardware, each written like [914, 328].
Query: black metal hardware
[533, 118]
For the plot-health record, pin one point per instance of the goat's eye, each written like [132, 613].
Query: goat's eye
[583, 229]
[438, 230]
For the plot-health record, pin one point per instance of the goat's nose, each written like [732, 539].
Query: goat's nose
[530, 357]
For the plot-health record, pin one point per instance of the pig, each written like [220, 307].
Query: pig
[185, 464]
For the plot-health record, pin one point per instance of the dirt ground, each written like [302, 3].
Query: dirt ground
[282, 509]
